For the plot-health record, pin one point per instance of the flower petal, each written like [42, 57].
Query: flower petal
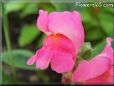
[109, 50]
[42, 21]
[66, 23]
[43, 58]
[91, 69]
[106, 78]
[60, 42]
[62, 62]
[31, 60]
[96, 66]
[69, 24]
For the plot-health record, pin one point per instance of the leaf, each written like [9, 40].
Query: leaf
[86, 17]
[48, 7]
[94, 34]
[109, 9]
[28, 35]
[106, 22]
[20, 58]
[59, 6]
[98, 48]
[28, 10]
[13, 6]
[40, 42]
[65, 6]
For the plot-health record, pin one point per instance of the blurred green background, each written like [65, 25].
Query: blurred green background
[21, 37]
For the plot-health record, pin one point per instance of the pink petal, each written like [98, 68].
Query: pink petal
[66, 23]
[109, 40]
[59, 51]
[109, 50]
[69, 24]
[96, 67]
[42, 21]
[106, 78]
[31, 60]
[63, 51]
[62, 62]
[91, 69]
[43, 58]
[60, 42]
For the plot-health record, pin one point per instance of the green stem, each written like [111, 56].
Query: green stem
[8, 42]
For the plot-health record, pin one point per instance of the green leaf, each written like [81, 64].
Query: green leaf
[48, 7]
[29, 10]
[109, 9]
[86, 17]
[98, 48]
[40, 42]
[65, 6]
[13, 6]
[28, 35]
[59, 6]
[106, 22]
[94, 34]
[20, 59]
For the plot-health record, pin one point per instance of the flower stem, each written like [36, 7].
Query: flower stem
[8, 43]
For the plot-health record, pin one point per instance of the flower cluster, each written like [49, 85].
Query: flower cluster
[65, 37]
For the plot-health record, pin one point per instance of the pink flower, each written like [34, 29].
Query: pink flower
[99, 70]
[65, 37]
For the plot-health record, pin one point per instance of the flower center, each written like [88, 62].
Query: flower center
[55, 39]
[59, 41]
[56, 36]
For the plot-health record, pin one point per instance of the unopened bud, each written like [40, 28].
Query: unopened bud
[86, 51]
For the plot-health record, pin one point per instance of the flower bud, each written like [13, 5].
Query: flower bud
[85, 51]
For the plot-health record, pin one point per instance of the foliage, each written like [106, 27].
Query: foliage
[28, 34]
[20, 57]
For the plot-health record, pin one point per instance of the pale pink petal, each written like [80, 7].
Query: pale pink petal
[31, 60]
[42, 21]
[69, 24]
[62, 62]
[91, 69]
[43, 58]
[109, 40]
